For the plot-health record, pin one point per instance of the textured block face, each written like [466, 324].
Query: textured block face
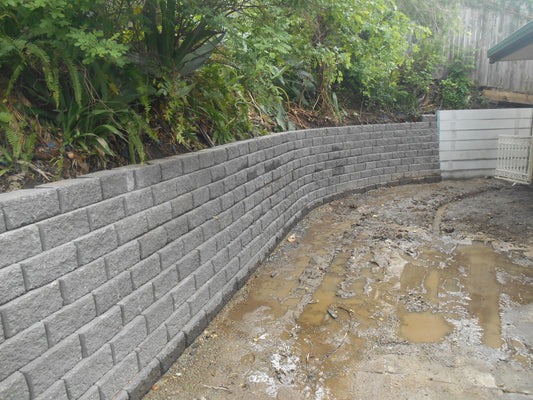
[64, 228]
[152, 241]
[76, 193]
[115, 182]
[136, 303]
[153, 344]
[122, 258]
[131, 228]
[57, 391]
[111, 383]
[165, 281]
[145, 270]
[14, 388]
[129, 338]
[19, 244]
[138, 201]
[106, 212]
[183, 291]
[99, 331]
[112, 292]
[96, 244]
[23, 207]
[11, 283]
[82, 281]
[158, 312]
[178, 320]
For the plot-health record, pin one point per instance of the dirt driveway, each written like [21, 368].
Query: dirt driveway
[411, 292]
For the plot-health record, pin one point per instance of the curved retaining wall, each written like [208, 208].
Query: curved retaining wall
[105, 279]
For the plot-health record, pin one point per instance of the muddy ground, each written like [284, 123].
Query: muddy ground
[411, 292]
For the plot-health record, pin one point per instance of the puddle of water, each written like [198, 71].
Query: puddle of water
[424, 327]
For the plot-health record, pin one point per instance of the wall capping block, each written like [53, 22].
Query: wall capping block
[122, 269]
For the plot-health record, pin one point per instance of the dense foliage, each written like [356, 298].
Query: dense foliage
[97, 82]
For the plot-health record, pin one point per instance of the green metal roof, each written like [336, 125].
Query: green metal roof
[518, 46]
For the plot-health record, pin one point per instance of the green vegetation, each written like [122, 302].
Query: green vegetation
[87, 84]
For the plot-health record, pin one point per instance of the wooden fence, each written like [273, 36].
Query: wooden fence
[468, 139]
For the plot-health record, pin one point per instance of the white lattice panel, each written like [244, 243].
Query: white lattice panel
[514, 158]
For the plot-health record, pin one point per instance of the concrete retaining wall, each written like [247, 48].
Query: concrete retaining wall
[105, 279]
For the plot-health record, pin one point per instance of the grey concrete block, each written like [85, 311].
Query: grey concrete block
[19, 244]
[221, 259]
[178, 320]
[42, 302]
[55, 392]
[216, 190]
[131, 228]
[114, 182]
[211, 227]
[24, 207]
[112, 292]
[171, 253]
[158, 215]
[82, 281]
[106, 212]
[176, 228]
[164, 191]
[2, 336]
[64, 228]
[69, 318]
[136, 302]
[96, 244]
[152, 345]
[200, 196]
[152, 241]
[2, 222]
[100, 331]
[14, 388]
[113, 381]
[158, 312]
[203, 274]
[143, 381]
[11, 283]
[165, 281]
[213, 306]
[181, 204]
[190, 162]
[236, 149]
[195, 327]
[198, 216]
[80, 378]
[183, 291]
[171, 167]
[145, 270]
[216, 283]
[232, 268]
[76, 193]
[44, 371]
[201, 178]
[185, 184]
[22, 349]
[170, 353]
[129, 338]
[122, 258]
[198, 300]
[146, 175]
[92, 394]
[188, 264]
[192, 239]
[138, 201]
[48, 266]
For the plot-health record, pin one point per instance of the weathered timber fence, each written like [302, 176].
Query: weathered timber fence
[105, 279]
[468, 139]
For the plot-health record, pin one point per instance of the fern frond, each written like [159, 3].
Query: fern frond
[51, 73]
[14, 77]
[75, 79]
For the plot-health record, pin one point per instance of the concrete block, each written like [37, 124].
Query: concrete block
[165, 282]
[216, 190]
[100, 331]
[69, 318]
[136, 303]
[213, 306]
[237, 211]
[64, 228]
[235, 165]
[2, 222]
[129, 338]
[112, 292]
[145, 175]
[171, 167]
[183, 291]
[198, 300]
[122, 258]
[82, 281]
[207, 250]
[158, 215]
[190, 162]
[22, 349]
[164, 191]
[195, 327]
[178, 320]
[158, 312]
[211, 227]
[48, 266]
[152, 241]
[198, 216]
[218, 172]
[227, 201]
[185, 184]
[193, 239]
[11, 283]
[19, 244]
[92, 394]
[143, 381]
[221, 259]
[203, 274]
[188, 264]
[216, 283]
[176, 228]
[42, 302]
[24, 207]
[138, 201]
[106, 212]
[114, 182]
[44, 371]
[76, 193]
[145, 270]
[170, 353]
[14, 388]
[152, 345]
[181, 204]
[55, 392]
[96, 244]
[170, 254]
[201, 178]
[131, 227]
[118, 377]
[200, 196]
[232, 268]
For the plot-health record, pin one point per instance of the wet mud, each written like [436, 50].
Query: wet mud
[410, 292]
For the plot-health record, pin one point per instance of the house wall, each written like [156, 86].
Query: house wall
[105, 279]
[468, 139]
